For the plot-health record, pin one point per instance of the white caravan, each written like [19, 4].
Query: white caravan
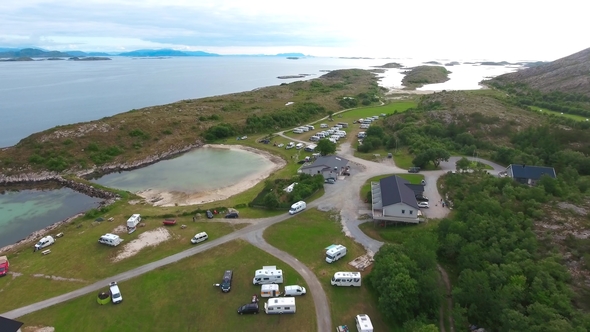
[363, 323]
[268, 275]
[109, 239]
[295, 290]
[280, 305]
[335, 252]
[323, 125]
[297, 207]
[346, 279]
[133, 221]
[44, 242]
[270, 290]
[297, 131]
[304, 128]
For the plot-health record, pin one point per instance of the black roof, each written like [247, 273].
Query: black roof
[9, 325]
[395, 190]
[416, 188]
[531, 172]
[329, 162]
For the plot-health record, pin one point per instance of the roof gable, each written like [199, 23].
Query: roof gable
[328, 162]
[9, 325]
[395, 190]
[531, 172]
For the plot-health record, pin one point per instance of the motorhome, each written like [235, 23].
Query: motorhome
[268, 275]
[109, 239]
[346, 279]
[363, 323]
[304, 128]
[310, 127]
[335, 252]
[280, 305]
[270, 290]
[290, 145]
[299, 146]
[295, 290]
[365, 126]
[297, 131]
[310, 147]
[297, 207]
[133, 221]
[341, 133]
[314, 138]
[332, 140]
[321, 134]
[343, 124]
[336, 137]
[44, 242]
[323, 125]
[199, 237]
[367, 121]
[362, 134]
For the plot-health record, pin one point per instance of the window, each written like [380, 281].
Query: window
[287, 308]
[411, 212]
[403, 211]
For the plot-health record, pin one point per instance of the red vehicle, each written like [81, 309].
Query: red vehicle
[169, 222]
[4, 264]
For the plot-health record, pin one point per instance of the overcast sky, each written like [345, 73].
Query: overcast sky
[457, 29]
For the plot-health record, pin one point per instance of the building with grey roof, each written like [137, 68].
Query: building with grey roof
[393, 200]
[529, 174]
[329, 166]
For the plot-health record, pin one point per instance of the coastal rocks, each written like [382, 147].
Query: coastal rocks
[80, 131]
[55, 177]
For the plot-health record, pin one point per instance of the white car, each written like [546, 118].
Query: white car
[116, 296]
[423, 204]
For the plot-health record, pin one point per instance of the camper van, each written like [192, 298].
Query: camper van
[363, 323]
[110, 239]
[280, 305]
[297, 207]
[133, 221]
[199, 237]
[44, 242]
[346, 279]
[299, 146]
[268, 275]
[290, 146]
[335, 252]
[295, 290]
[270, 290]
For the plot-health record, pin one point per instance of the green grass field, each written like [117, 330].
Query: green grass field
[306, 236]
[181, 297]
[570, 116]
[412, 177]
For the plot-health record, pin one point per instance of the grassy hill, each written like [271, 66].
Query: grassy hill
[154, 131]
[421, 75]
[567, 75]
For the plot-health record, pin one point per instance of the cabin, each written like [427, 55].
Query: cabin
[527, 174]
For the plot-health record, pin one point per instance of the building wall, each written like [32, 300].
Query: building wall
[400, 210]
[312, 170]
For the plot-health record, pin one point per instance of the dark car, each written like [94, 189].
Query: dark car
[414, 170]
[209, 214]
[226, 282]
[421, 198]
[250, 308]
[346, 173]
[232, 215]
[330, 180]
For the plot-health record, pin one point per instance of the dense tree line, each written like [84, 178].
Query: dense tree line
[504, 283]
[405, 279]
[273, 195]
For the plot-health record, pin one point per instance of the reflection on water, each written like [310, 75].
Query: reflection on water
[26, 211]
[199, 170]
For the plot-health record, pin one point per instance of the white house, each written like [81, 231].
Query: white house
[394, 200]
[328, 166]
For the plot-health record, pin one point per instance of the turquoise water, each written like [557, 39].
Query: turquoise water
[26, 211]
[196, 171]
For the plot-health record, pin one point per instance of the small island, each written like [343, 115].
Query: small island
[22, 58]
[390, 65]
[89, 58]
[433, 63]
[284, 77]
[421, 75]
[452, 63]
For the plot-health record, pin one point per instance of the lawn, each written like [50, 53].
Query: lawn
[398, 233]
[306, 236]
[412, 177]
[180, 297]
[550, 112]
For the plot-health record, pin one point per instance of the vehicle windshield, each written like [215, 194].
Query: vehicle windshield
[329, 256]
[116, 295]
[2, 269]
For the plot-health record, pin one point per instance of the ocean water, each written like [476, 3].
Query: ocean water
[26, 211]
[197, 171]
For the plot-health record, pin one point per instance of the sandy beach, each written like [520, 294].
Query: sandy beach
[172, 198]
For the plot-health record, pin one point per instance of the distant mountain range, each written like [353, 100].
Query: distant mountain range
[40, 53]
[570, 75]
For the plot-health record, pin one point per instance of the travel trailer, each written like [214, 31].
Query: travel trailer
[297, 207]
[270, 290]
[280, 305]
[268, 275]
[346, 279]
[297, 131]
[44, 242]
[133, 221]
[294, 290]
[199, 237]
[335, 252]
[310, 147]
[110, 239]
[363, 323]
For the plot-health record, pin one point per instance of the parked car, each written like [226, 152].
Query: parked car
[280, 145]
[116, 296]
[250, 308]
[414, 170]
[209, 214]
[421, 198]
[232, 215]
[423, 204]
[330, 181]
[226, 282]
[346, 173]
